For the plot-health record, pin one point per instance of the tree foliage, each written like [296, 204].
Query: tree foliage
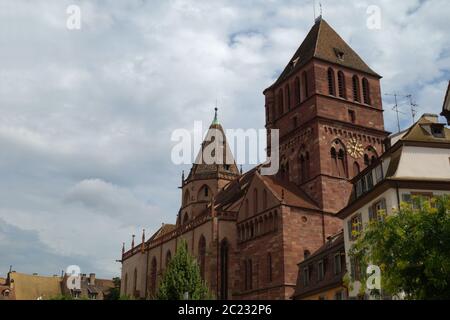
[114, 293]
[412, 249]
[182, 275]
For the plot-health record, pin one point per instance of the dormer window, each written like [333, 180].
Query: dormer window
[437, 131]
[339, 54]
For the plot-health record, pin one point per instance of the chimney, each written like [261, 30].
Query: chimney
[434, 118]
[92, 279]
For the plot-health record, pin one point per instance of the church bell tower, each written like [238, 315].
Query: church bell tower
[327, 105]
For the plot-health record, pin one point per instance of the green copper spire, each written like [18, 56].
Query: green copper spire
[215, 121]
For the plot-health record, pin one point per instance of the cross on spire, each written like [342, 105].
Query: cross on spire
[216, 120]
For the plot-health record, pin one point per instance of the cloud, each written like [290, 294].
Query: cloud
[87, 115]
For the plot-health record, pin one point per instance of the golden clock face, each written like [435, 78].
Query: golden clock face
[355, 149]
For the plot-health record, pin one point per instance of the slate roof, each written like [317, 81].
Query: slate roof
[323, 42]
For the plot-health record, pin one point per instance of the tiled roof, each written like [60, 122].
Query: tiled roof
[31, 287]
[322, 42]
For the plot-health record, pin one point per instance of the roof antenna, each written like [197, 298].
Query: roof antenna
[396, 108]
[413, 107]
[314, 8]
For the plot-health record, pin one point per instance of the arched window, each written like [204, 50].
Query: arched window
[338, 160]
[302, 169]
[264, 199]
[202, 255]
[269, 267]
[204, 194]
[356, 90]
[186, 198]
[333, 155]
[341, 84]
[126, 284]
[280, 103]
[168, 257]
[366, 91]
[297, 91]
[305, 85]
[341, 163]
[135, 282]
[331, 86]
[153, 274]
[287, 176]
[185, 218]
[224, 247]
[255, 201]
[288, 96]
[356, 169]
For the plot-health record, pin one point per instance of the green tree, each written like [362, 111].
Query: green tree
[182, 275]
[114, 293]
[412, 249]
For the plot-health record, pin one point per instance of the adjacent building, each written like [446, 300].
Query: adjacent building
[446, 107]
[416, 163]
[250, 231]
[320, 275]
[21, 286]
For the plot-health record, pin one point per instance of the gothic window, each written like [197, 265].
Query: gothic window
[202, 255]
[135, 282]
[331, 86]
[187, 197]
[126, 284]
[341, 84]
[168, 257]
[356, 94]
[305, 85]
[338, 160]
[297, 90]
[302, 169]
[269, 267]
[186, 218]
[224, 248]
[153, 274]
[280, 103]
[288, 96]
[341, 163]
[204, 193]
[333, 155]
[366, 91]
[264, 199]
[255, 201]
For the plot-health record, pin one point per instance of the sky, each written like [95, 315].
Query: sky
[86, 115]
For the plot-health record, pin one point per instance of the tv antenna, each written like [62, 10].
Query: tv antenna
[396, 108]
[314, 9]
[413, 106]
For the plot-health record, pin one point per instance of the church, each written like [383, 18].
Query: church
[249, 231]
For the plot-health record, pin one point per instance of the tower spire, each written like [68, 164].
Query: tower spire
[216, 120]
